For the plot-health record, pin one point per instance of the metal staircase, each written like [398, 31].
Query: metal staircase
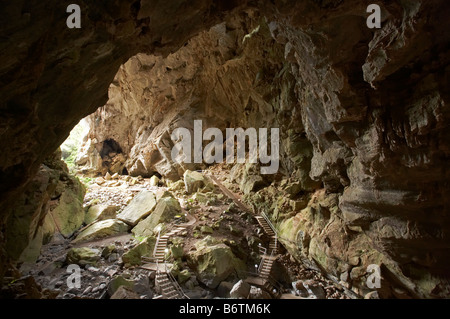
[266, 266]
[268, 257]
[169, 287]
[159, 252]
[270, 230]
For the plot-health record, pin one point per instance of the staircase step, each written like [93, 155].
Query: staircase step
[165, 283]
[167, 289]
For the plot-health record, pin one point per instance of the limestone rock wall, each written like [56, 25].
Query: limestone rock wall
[52, 76]
[52, 203]
[363, 114]
[362, 119]
[232, 75]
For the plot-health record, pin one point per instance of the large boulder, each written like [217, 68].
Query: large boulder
[193, 181]
[144, 248]
[52, 202]
[214, 262]
[177, 186]
[102, 229]
[117, 282]
[22, 225]
[258, 293]
[100, 212]
[166, 209]
[83, 256]
[139, 207]
[124, 292]
[68, 215]
[240, 290]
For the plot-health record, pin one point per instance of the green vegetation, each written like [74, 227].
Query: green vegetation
[72, 144]
[70, 159]
[139, 238]
[85, 180]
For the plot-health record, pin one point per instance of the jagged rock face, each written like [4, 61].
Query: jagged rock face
[376, 116]
[216, 70]
[51, 203]
[52, 76]
[346, 124]
[361, 112]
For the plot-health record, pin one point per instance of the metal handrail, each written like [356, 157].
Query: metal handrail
[262, 250]
[157, 242]
[260, 265]
[175, 282]
[269, 222]
[266, 218]
[272, 253]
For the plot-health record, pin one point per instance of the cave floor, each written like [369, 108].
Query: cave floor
[50, 270]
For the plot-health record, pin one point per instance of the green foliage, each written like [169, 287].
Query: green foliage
[139, 238]
[70, 159]
[85, 180]
[72, 144]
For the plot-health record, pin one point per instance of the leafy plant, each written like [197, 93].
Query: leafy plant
[139, 238]
[85, 180]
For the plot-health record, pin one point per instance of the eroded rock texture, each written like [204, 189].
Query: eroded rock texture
[52, 76]
[51, 203]
[362, 114]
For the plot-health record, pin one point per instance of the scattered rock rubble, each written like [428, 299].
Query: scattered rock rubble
[222, 235]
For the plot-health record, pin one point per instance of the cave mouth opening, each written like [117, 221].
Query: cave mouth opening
[110, 148]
